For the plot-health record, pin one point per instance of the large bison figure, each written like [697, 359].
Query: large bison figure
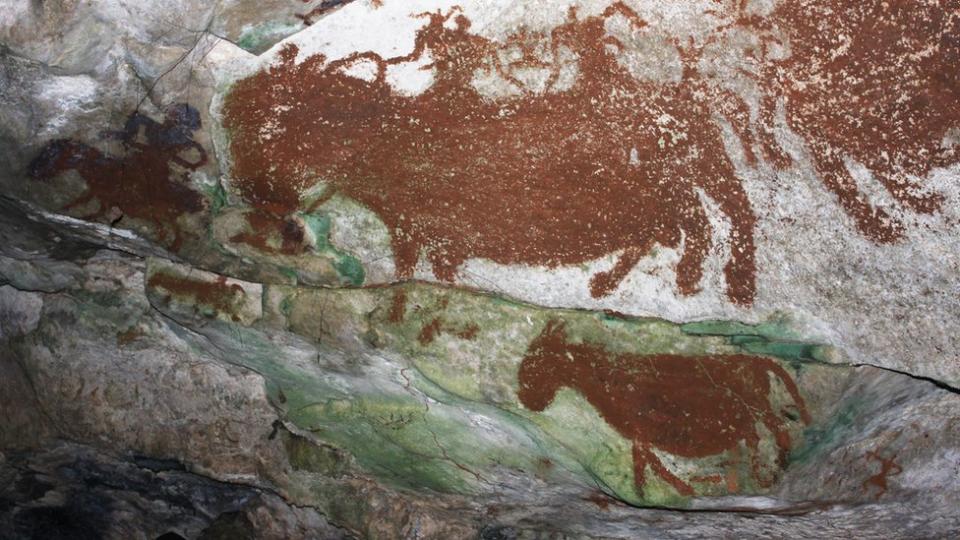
[608, 165]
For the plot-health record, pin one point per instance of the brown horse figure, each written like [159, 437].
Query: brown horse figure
[610, 165]
[876, 81]
[688, 406]
[139, 183]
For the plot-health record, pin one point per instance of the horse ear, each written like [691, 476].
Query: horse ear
[555, 328]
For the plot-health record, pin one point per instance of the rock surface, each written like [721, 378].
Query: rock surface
[489, 269]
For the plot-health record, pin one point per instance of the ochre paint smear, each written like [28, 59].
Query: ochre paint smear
[877, 81]
[271, 234]
[888, 468]
[141, 183]
[687, 406]
[218, 295]
[609, 165]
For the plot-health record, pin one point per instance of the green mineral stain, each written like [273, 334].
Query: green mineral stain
[291, 274]
[823, 437]
[773, 338]
[776, 328]
[305, 455]
[347, 266]
[217, 196]
[262, 37]
[286, 306]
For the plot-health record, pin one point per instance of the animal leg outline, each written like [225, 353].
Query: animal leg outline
[696, 244]
[642, 455]
[604, 283]
[873, 222]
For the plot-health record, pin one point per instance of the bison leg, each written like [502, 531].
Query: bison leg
[642, 455]
[406, 251]
[725, 189]
[444, 264]
[696, 244]
[604, 283]
[875, 223]
[903, 190]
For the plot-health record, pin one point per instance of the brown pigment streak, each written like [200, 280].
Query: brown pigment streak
[141, 183]
[218, 295]
[264, 231]
[437, 326]
[688, 406]
[876, 81]
[523, 180]
[429, 332]
[888, 468]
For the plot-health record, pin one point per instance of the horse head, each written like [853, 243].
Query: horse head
[544, 369]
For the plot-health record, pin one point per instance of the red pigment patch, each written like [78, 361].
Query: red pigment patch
[527, 180]
[688, 406]
[877, 81]
[269, 234]
[217, 295]
[437, 326]
[142, 183]
[888, 468]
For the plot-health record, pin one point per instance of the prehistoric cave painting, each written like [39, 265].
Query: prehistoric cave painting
[438, 326]
[876, 81]
[270, 234]
[529, 179]
[687, 406]
[888, 468]
[141, 183]
[217, 295]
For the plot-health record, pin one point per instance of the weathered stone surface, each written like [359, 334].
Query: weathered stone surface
[491, 269]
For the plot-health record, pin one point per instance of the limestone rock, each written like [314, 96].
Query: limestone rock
[479, 269]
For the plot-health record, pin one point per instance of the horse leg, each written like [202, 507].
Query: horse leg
[873, 222]
[604, 283]
[642, 455]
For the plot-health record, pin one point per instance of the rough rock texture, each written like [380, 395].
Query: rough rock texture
[479, 269]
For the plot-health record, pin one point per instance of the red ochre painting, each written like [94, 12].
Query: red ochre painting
[148, 181]
[607, 165]
[687, 406]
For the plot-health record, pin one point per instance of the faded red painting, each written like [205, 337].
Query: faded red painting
[687, 406]
[609, 164]
[148, 182]
[218, 296]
